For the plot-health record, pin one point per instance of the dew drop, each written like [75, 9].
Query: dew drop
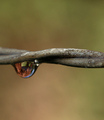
[26, 69]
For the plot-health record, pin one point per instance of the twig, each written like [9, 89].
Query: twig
[65, 56]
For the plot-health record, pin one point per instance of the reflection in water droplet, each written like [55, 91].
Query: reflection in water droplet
[25, 69]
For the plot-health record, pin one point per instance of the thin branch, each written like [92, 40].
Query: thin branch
[65, 56]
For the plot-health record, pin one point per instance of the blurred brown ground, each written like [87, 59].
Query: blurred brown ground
[55, 92]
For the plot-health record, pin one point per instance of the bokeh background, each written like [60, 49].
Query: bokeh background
[55, 92]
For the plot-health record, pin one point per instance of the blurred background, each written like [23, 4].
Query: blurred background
[55, 92]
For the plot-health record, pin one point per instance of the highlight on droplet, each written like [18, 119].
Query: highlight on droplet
[25, 69]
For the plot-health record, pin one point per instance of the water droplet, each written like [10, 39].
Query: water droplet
[26, 69]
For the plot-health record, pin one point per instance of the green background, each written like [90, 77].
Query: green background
[55, 92]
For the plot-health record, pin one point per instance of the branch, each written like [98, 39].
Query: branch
[65, 56]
